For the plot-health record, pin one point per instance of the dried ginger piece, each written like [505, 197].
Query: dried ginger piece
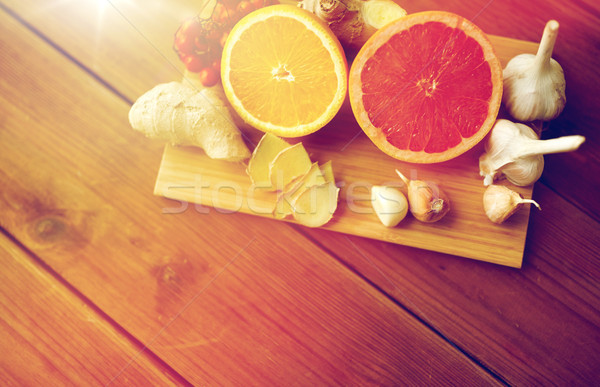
[267, 149]
[315, 206]
[285, 200]
[327, 172]
[276, 165]
[288, 165]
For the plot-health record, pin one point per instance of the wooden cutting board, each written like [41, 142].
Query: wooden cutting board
[187, 174]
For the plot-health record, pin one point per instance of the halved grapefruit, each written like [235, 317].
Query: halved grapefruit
[427, 87]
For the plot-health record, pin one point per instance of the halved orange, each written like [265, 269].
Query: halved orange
[427, 87]
[284, 71]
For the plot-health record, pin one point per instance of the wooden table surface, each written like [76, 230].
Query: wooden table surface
[100, 286]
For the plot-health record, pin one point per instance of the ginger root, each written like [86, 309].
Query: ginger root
[184, 115]
[354, 21]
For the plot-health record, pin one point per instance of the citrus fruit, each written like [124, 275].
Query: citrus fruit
[427, 87]
[284, 71]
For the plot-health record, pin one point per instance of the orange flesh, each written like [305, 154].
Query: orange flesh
[426, 104]
[288, 81]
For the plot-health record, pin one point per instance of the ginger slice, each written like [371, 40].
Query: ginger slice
[315, 206]
[286, 199]
[288, 165]
[265, 152]
[307, 189]
[327, 172]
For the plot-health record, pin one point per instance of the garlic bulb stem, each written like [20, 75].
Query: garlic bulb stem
[544, 53]
[530, 201]
[534, 85]
[514, 150]
[555, 145]
[404, 178]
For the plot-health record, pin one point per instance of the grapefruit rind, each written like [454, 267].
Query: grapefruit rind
[381, 37]
[329, 41]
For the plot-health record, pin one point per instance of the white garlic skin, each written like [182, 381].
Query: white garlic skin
[427, 202]
[534, 85]
[514, 151]
[532, 94]
[524, 171]
[500, 203]
[389, 204]
[501, 157]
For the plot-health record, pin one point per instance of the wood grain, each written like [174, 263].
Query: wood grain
[218, 302]
[525, 325]
[72, 25]
[49, 335]
[93, 182]
[107, 38]
[188, 174]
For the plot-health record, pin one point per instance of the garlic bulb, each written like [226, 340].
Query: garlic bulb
[514, 151]
[500, 203]
[534, 85]
[427, 202]
[389, 204]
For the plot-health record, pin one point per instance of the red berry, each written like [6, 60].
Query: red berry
[212, 31]
[229, 3]
[191, 27]
[208, 77]
[223, 39]
[183, 44]
[193, 63]
[222, 14]
[256, 4]
[184, 37]
[201, 45]
[244, 8]
[216, 65]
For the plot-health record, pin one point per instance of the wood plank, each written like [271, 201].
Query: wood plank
[539, 325]
[502, 21]
[118, 19]
[188, 174]
[49, 335]
[93, 33]
[220, 298]
[148, 50]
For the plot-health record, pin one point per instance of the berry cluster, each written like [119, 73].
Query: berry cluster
[199, 42]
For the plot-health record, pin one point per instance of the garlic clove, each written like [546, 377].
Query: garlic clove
[389, 204]
[514, 151]
[500, 203]
[534, 85]
[427, 202]
[524, 171]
